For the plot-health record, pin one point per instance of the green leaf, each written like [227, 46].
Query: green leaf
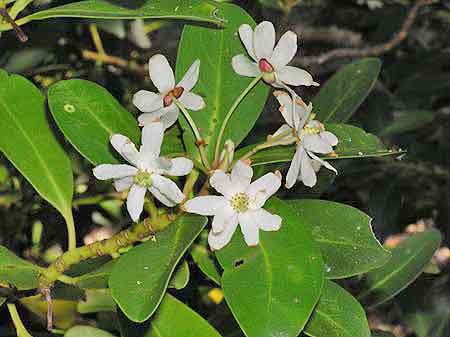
[175, 319]
[140, 277]
[88, 115]
[13, 270]
[407, 263]
[2, 300]
[97, 300]
[343, 93]
[408, 120]
[180, 277]
[205, 262]
[195, 10]
[28, 142]
[353, 143]
[273, 287]
[218, 84]
[338, 314]
[344, 235]
[381, 334]
[97, 279]
[86, 331]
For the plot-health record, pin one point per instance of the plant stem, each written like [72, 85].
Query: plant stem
[198, 137]
[190, 182]
[71, 232]
[20, 328]
[230, 113]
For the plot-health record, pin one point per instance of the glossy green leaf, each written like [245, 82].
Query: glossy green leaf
[97, 279]
[195, 10]
[88, 115]
[353, 143]
[218, 83]
[2, 300]
[202, 257]
[175, 319]
[86, 331]
[180, 277]
[28, 142]
[16, 271]
[408, 120]
[345, 237]
[273, 287]
[97, 300]
[407, 263]
[338, 314]
[343, 93]
[140, 277]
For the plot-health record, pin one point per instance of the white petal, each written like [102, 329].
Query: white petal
[282, 130]
[323, 162]
[244, 66]
[329, 137]
[180, 167]
[266, 221]
[168, 116]
[168, 188]
[285, 106]
[152, 138]
[138, 34]
[249, 228]
[161, 73]
[223, 219]
[161, 197]
[110, 171]
[264, 40]
[147, 101]
[294, 168]
[307, 173]
[285, 50]
[241, 176]
[206, 205]
[246, 35]
[191, 77]
[125, 147]
[294, 76]
[135, 201]
[221, 182]
[220, 240]
[262, 189]
[123, 184]
[317, 144]
[192, 101]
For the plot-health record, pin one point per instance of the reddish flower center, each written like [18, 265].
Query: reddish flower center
[175, 93]
[265, 66]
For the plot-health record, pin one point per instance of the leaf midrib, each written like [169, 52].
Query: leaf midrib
[60, 197]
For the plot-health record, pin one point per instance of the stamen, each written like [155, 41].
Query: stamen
[143, 178]
[240, 202]
[175, 93]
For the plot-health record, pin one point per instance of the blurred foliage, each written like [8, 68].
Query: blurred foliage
[409, 108]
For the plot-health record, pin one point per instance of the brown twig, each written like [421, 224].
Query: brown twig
[115, 61]
[376, 50]
[19, 32]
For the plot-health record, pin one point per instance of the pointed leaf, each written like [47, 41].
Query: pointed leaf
[408, 120]
[180, 277]
[345, 237]
[88, 115]
[407, 263]
[140, 277]
[175, 319]
[86, 331]
[28, 142]
[195, 10]
[338, 314]
[13, 270]
[205, 262]
[273, 287]
[218, 84]
[343, 93]
[353, 143]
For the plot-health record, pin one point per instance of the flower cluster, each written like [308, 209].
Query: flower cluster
[241, 201]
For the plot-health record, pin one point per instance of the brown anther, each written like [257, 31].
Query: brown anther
[175, 93]
[200, 142]
[332, 154]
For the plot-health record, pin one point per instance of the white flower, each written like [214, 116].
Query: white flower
[138, 35]
[268, 60]
[160, 106]
[241, 203]
[310, 136]
[146, 172]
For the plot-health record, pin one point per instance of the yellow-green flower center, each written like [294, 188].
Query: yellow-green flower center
[239, 202]
[143, 178]
[311, 130]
